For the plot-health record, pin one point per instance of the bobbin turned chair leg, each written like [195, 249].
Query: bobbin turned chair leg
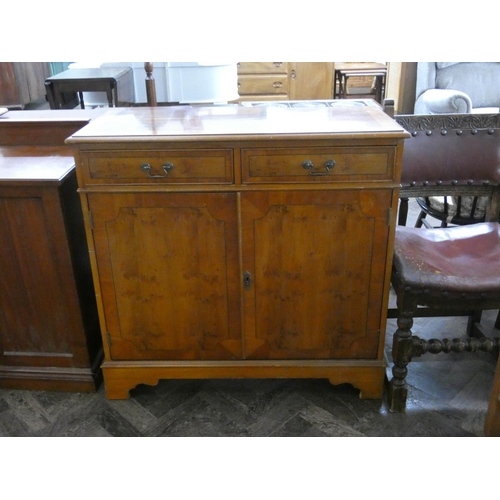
[402, 351]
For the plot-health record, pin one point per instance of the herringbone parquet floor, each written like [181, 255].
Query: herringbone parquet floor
[448, 397]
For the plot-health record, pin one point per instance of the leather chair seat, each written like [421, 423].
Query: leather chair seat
[449, 260]
[442, 272]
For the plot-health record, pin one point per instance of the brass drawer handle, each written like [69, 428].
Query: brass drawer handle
[146, 167]
[309, 165]
[277, 85]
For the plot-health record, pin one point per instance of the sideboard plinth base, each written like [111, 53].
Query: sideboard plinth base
[365, 375]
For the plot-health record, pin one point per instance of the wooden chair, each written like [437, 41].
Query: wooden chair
[448, 155]
[454, 210]
[447, 271]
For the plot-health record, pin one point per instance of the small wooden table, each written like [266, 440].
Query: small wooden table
[116, 82]
[343, 71]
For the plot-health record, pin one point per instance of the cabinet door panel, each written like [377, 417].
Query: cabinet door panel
[317, 267]
[313, 80]
[168, 266]
[36, 277]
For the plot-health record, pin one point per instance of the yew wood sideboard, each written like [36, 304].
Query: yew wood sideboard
[241, 242]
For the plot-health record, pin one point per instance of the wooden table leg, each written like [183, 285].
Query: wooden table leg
[112, 90]
[345, 77]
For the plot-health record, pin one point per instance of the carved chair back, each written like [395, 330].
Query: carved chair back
[451, 164]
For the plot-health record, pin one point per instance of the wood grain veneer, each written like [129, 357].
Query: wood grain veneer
[239, 260]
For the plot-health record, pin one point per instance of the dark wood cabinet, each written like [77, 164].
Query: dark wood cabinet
[49, 326]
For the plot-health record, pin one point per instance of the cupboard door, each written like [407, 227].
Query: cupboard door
[312, 80]
[168, 271]
[315, 272]
[36, 278]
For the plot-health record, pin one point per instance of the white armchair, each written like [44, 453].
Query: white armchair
[457, 87]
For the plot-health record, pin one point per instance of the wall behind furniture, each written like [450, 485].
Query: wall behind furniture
[58, 67]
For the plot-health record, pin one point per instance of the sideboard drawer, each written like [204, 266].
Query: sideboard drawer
[175, 166]
[262, 67]
[317, 165]
[262, 84]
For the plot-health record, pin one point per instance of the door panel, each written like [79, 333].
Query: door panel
[168, 265]
[316, 262]
[33, 257]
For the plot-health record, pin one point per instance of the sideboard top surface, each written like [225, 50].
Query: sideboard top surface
[48, 116]
[43, 127]
[234, 122]
[35, 164]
